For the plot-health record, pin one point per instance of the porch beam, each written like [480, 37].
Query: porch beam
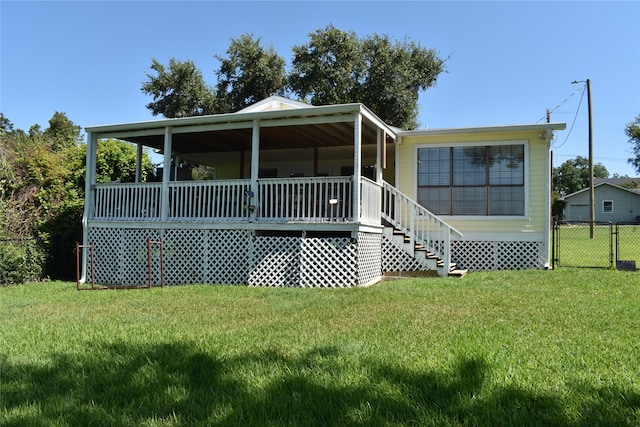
[166, 174]
[357, 165]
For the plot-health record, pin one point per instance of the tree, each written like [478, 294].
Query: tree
[179, 91]
[386, 75]
[573, 175]
[248, 74]
[334, 67]
[328, 69]
[633, 132]
[62, 132]
[42, 195]
[116, 161]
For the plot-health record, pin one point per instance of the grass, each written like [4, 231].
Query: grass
[577, 249]
[501, 348]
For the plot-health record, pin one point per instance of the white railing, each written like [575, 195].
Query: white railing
[318, 199]
[323, 199]
[208, 200]
[127, 201]
[422, 226]
[371, 202]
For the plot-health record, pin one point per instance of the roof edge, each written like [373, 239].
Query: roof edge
[485, 129]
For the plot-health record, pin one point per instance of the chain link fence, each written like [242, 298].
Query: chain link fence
[597, 245]
[627, 237]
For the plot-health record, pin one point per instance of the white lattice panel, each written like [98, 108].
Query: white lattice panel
[275, 261]
[228, 254]
[496, 255]
[369, 258]
[120, 255]
[395, 258]
[328, 262]
[186, 256]
[234, 257]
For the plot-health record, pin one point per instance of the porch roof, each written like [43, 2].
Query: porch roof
[301, 127]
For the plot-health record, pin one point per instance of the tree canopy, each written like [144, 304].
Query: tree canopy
[334, 67]
[248, 74]
[632, 130]
[42, 175]
[573, 175]
[178, 90]
[386, 75]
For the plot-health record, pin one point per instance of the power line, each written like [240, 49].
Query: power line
[559, 105]
[574, 117]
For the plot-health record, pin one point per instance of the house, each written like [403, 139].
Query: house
[325, 196]
[612, 203]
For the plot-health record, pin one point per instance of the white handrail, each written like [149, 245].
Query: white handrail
[371, 202]
[127, 201]
[421, 225]
[317, 199]
[211, 200]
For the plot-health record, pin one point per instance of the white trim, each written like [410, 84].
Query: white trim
[474, 236]
[485, 129]
[527, 184]
[612, 207]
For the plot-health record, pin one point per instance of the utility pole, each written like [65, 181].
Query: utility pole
[592, 206]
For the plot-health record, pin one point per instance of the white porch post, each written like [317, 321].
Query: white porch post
[357, 165]
[255, 167]
[138, 162]
[89, 196]
[379, 147]
[166, 174]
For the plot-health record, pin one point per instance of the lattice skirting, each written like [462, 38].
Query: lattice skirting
[396, 258]
[234, 257]
[497, 255]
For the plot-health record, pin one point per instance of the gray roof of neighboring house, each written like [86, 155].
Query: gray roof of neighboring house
[597, 184]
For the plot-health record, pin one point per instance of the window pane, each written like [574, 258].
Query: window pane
[435, 199]
[607, 206]
[506, 165]
[470, 200]
[434, 167]
[469, 165]
[506, 200]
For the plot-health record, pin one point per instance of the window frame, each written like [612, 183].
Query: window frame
[604, 211]
[526, 176]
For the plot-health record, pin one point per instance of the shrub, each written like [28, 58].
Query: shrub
[20, 261]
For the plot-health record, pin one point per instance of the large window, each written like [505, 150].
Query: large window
[478, 180]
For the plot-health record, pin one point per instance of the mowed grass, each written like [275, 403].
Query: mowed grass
[501, 348]
[578, 249]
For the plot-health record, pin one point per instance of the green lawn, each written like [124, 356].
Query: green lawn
[502, 348]
[578, 249]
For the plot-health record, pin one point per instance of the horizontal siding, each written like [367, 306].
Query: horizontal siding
[535, 223]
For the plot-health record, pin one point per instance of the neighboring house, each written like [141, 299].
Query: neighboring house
[612, 203]
[325, 196]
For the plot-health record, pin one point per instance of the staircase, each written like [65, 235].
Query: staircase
[418, 232]
[428, 260]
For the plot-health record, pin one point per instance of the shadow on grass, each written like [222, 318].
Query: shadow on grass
[177, 384]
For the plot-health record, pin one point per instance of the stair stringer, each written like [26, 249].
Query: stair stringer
[396, 257]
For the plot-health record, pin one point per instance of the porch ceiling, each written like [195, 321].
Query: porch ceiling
[271, 138]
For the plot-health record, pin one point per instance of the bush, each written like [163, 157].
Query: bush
[20, 261]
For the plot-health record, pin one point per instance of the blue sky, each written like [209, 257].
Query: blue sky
[508, 61]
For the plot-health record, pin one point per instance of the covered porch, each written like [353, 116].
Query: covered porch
[297, 197]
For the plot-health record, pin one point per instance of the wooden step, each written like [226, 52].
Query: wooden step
[458, 273]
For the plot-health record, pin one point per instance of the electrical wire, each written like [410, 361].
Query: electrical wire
[560, 105]
[574, 117]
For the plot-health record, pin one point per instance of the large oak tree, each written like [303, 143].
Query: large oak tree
[334, 67]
